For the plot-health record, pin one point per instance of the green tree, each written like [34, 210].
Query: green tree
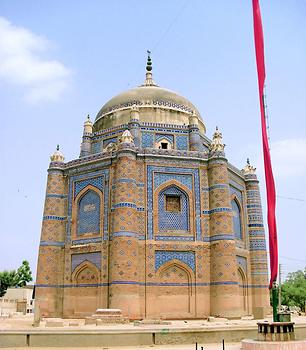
[14, 278]
[7, 279]
[23, 274]
[294, 289]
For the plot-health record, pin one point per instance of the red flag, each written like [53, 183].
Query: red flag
[270, 186]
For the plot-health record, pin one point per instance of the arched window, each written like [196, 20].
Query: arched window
[236, 219]
[173, 210]
[89, 213]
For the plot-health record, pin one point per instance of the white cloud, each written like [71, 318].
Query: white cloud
[22, 63]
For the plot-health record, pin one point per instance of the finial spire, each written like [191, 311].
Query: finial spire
[217, 144]
[149, 78]
[249, 169]
[57, 156]
[149, 61]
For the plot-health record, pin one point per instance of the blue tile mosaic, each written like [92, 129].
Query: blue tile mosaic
[167, 137]
[236, 219]
[258, 244]
[236, 192]
[53, 217]
[89, 213]
[255, 233]
[87, 240]
[147, 140]
[51, 244]
[182, 142]
[96, 147]
[160, 178]
[173, 220]
[88, 178]
[80, 185]
[220, 237]
[163, 256]
[54, 195]
[94, 258]
[108, 141]
[173, 171]
[174, 238]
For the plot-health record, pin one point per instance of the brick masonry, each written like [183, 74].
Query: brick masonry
[108, 242]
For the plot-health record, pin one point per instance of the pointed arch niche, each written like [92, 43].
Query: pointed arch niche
[87, 213]
[86, 278]
[237, 218]
[175, 291]
[173, 209]
[243, 297]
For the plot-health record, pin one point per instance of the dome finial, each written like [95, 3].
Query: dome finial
[57, 156]
[149, 78]
[149, 62]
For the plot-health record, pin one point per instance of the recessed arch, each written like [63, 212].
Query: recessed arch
[175, 292]
[85, 295]
[237, 213]
[181, 221]
[87, 212]
[242, 282]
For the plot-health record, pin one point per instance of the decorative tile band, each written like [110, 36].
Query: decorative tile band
[150, 284]
[256, 225]
[125, 180]
[124, 204]
[87, 240]
[123, 234]
[225, 237]
[220, 283]
[258, 244]
[216, 210]
[174, 238]
[51, 244]
[54, 195]
[53, 217]
[218, 186]
[257, 233]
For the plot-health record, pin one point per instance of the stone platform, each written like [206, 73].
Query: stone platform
[20, 333]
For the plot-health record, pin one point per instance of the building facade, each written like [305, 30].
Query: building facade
[151, 218]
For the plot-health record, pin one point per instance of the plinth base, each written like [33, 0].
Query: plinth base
[249, 344]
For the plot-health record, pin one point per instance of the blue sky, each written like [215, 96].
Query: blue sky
[62, 60]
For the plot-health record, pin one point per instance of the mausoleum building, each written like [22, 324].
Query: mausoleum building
[152, 218]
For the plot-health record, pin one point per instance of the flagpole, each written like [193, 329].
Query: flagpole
[274, 291]
[270, 185]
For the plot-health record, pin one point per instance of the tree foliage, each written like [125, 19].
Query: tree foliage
[14, 278]
[294, 289]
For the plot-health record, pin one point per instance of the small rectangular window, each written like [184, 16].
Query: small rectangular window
[164, 145]
[173, 203]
